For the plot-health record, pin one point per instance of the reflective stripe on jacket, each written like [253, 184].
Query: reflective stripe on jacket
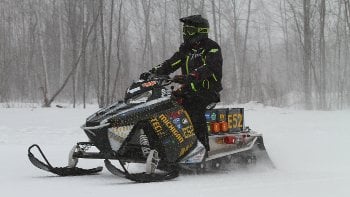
[204, 58]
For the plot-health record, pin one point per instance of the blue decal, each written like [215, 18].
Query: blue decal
[207, 116]
[176, 121]
[179, 126]
[213, 116]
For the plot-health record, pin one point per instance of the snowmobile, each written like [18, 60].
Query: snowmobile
[149, 127]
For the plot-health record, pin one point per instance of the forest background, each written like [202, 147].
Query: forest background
[276, 52]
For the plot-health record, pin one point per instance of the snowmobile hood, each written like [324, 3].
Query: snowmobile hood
[124, 114]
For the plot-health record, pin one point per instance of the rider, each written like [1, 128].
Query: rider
[200, 61]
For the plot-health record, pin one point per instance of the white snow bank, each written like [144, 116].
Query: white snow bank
[309, 148]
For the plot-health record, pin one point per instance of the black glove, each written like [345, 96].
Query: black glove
[145, 76]
[181, 79]
[178, 93]
[177, 96]
[185, 79]
[182, 94]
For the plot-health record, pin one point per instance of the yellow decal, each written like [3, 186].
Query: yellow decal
[185, 149]
[222, 117]
[235, 121]
[171, 127]
[157, 127]
[188, 131]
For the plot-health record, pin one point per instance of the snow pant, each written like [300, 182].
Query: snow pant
[196, 108]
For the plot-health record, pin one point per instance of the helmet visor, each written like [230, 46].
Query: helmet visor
[189, 30]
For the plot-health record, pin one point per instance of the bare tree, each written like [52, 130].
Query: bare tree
[214, 19]
[74, 65]
[102, 101]
[322, 46]
[108, 78]
[118, 49]
[165, 29]
[62, 46]
[245, 87]
[147, 54]
[45, 80]
[307, 53]
[44, 46]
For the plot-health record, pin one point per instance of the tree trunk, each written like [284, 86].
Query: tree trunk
[164, 31]
[214, 20]
[345, 82]
[118, 49]
[109, 53]
[147, 54]
[103, 55]
[45, 87]
[236, 78]
[72, 23]
[284, 26]
[61, 32]
[244, 89]
[83, 63]
[307, 55]
[323, 65]
[179, 15]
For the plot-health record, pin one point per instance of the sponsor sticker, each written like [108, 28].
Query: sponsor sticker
[207, 116]
[179, 126]
[176, 121]
[184, 121]
[149, 84]
[213, 116]
[171, 128]
[175, 115]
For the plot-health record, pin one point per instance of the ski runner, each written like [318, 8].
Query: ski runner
[200, 61]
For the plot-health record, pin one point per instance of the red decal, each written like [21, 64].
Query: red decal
[149, 84]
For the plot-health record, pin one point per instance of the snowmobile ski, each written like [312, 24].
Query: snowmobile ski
[61, 171]
[146, 178]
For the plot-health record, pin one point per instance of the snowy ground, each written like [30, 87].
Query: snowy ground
[309, 148]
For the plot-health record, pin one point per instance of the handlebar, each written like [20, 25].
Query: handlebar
[163, 79]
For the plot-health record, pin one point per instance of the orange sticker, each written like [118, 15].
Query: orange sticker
[149, 84]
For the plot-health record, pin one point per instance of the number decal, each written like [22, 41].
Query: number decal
[235, 121]
[188, 132]
[240, 120]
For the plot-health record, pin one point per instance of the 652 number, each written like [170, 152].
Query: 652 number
[235, 121]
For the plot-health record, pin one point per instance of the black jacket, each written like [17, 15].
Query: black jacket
[203, 58]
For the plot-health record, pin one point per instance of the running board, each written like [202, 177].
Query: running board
[220, 155]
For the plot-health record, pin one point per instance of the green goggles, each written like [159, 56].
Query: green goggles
[192, 30]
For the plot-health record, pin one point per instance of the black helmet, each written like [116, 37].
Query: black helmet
[195, 28]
